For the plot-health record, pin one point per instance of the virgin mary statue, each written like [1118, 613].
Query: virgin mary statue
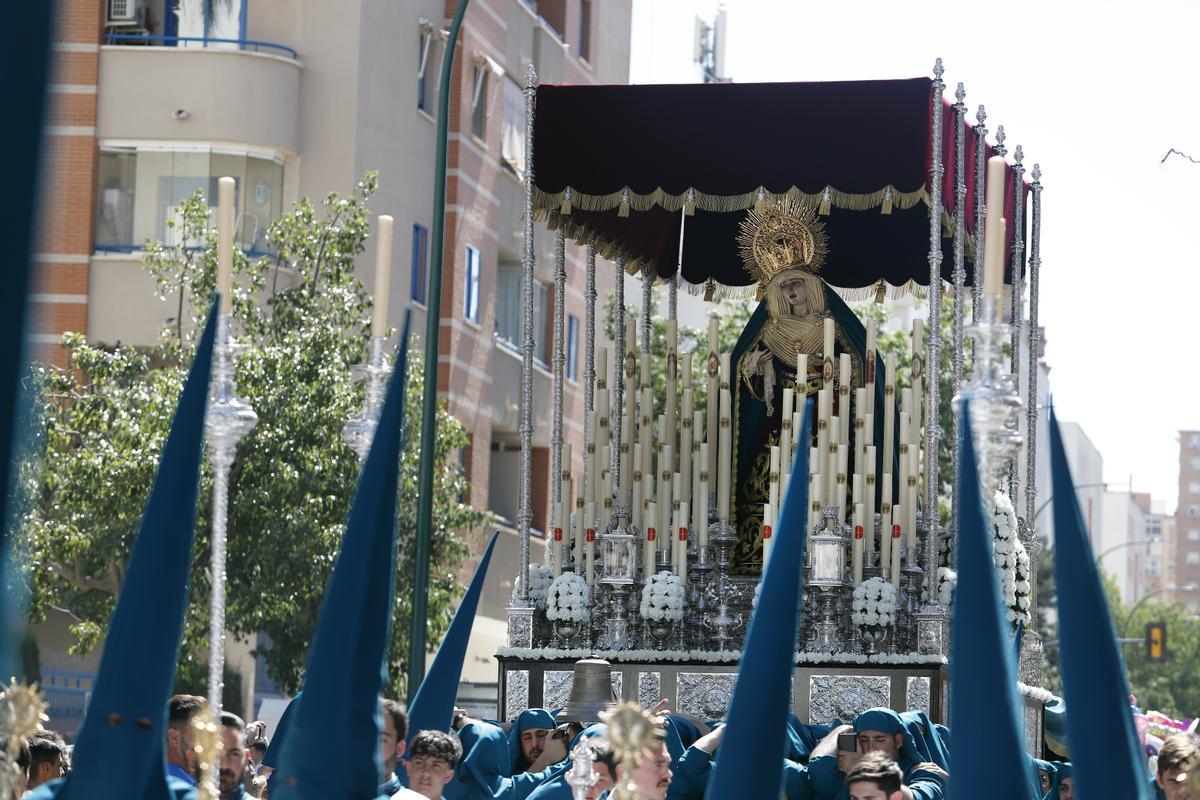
[783, 248]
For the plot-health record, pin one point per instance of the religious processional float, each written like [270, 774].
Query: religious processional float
[806, 194]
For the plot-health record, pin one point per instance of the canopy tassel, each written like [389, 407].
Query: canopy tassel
[623, 210]
[565, 206]
[826, 202]
[887, 201]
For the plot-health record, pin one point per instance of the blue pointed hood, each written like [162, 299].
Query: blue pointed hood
[331, 749]
[752, 752]
[983, 710]
[529, 718]
[119, 749]
[1100, 730]
[433, 704]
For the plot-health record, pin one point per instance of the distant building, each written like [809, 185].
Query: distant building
[1187, 521]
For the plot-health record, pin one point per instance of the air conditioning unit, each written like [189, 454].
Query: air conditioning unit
[121, 11]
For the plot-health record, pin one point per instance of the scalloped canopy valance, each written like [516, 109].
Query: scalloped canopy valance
[616, 164]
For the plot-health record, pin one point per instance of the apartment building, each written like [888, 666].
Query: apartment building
[1187, 521]
[154, 99]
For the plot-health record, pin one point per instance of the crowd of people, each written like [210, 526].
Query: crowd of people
[880, 755]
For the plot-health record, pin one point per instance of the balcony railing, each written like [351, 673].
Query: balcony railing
[251, 45]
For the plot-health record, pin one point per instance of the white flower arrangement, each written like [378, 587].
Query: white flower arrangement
[1011, 559]
[1022, 589]
[662, 598]
[874, 603]
[540, 577]
[947, 583]
[1035, 693]
[568, 599]
[707, 656]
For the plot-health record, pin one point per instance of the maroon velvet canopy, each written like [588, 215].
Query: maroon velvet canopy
[623, 160]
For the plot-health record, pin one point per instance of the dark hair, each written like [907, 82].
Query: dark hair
[45, 747]
[436, 744]
[1179, 751]
[602, 752]
[182, 707]
[399, 718]
[231, 720]
[878, 769]
[23, 756]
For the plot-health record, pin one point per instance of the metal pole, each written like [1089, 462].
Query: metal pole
[933, 430]
[525, 513]
[433, 324]
[559, 366]
[980, 210]
[1017, 262]
[960, 273]
[1034, 340]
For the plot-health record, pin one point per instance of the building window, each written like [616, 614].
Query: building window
[479, 107]
[585, 30]
[572, 347]
[471, 286]
[1194, 535]
[141, 187]
[420, 262]
[1194, 511]
[1193, 558]
[425, 68]
[512, 127]
[1193, 487]
[508, 303]
[1196, 463]
[1195, 441]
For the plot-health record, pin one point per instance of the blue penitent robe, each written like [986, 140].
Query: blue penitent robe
[530, 718]
[829, 783]
[481, 775]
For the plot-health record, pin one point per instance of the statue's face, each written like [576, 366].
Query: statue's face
[795, 292]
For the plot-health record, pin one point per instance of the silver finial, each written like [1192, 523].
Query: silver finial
[1018, 155]
[1037, 173]
[938, 69]
[1000, 135]
[530, 77]
[981, 115]
[961, 92]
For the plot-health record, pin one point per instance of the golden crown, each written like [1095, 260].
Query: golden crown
[781, 236]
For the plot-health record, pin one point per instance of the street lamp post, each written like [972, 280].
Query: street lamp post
[1050, 499]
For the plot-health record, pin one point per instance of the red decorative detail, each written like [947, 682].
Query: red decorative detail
[649, 534]
[766, 532]
[858, 531]
[591, 534]
[558, 534]
[683, 534]
[895, 531]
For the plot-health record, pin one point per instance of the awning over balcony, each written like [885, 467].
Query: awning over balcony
[620, 162]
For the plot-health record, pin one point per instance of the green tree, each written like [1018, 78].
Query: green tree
[303, 317]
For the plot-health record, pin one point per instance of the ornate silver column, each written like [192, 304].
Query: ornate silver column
[980, 210]
[1032, 663]
[931, 618]
[559, 365]
[229, 419]
[520, 611]
[618, 403]
[960, 273]
[647, 304]
[1016, 263]
[589, 339]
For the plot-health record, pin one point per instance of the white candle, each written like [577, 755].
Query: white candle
[842, 454]
[664, 501]
[801, 376]
[905, 462]
[918, 377]
[725, 373]
[785, 435]
[885, 525]
[672, 381]
[724, 461]
[637, 482]
[768, 529]
[601, 367]
[844, 397]
[589, 459]
[869, 368]
[626, 464]
[225, 226]
[603, 419]
[606, 490]
[630, 367]
[681, 544]
[897, 516]
[580, 531]
[869, 500]
[564, 508]
[687, 370]
[713, 396]
[383, 277]
[829, 468]
[589, 543]
[827, 354]
[646, 431]
[993, 228]
[889, 414]
[773, 477]
[687, 441]
[914, 472]
[705, 449]
[857, 548]
[644, 371]
[650, 549]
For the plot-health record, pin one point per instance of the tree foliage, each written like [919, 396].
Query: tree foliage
[303, 317]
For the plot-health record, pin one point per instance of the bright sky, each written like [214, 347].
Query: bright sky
[1096, 92]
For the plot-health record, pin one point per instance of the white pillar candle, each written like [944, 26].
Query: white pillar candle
[897, 516]
[918, 378]
[885, 525]
[625, 482]
[687, 441]
[857, 547]
[383, 277]
[814, 511]
[665, 481]
[713, 396]
[993, 227]
[905, 463]
[801, 375]
[589, 544]
[646, 431]
[225, 187]
[630, 367]
[827, 353]
[580, 531]
[842, 487]
[676, 502]
[869, 368]
[705, 450]
[870, 501]
[912, 501]
[604, 419]
[820, 463]
[637, 482]
[797, 435]
[889, 414]
[785, 435]
[686, 369]
[843, 409]
[681, 544]
[650, 547]
[860, 434]
[725, 371]
[606, 491]
[829, 468]
[589, 459]
[648, 496]
[672, 381]
[601, 367]
[768, 530]
[725, 459]
[564, 508]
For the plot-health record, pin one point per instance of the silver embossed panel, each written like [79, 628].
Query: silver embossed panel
[833, 697]
[704, 694]
[557, 683]
[916, 695]
[649, 688]
[516, 693]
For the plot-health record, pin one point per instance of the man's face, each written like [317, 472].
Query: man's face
[428, 775]
[604, 780]
[50, 770]
[1066, 789]
[880, 742]
[1173, 788]
[794, 291]
[869, 790]
[387, 744]
[652, 776]
[1045, 779]
[233, 760]
[533, 741]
